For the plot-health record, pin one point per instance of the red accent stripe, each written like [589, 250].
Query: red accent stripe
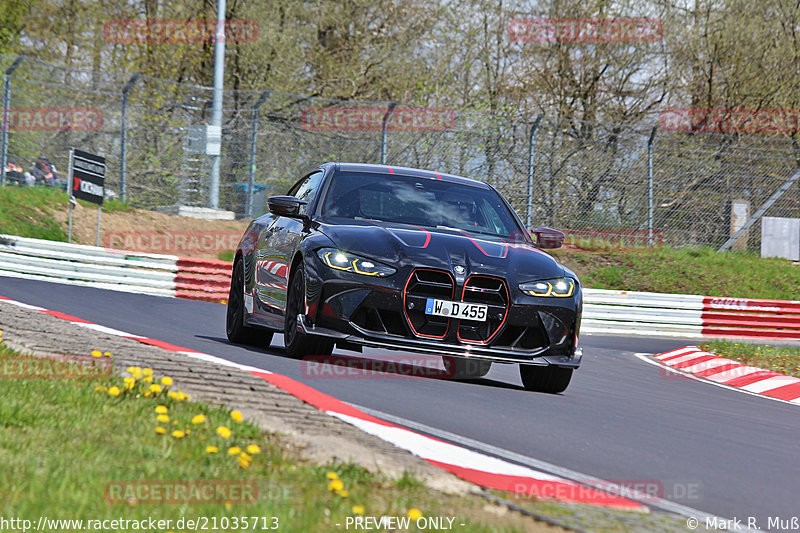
[538, 488]
[745, 304]
[718, 369]
[786, 392]
[318, 399]
[391, 170]
[161, 344]
[437, 175]
[754, 332]
[696, 361]
[684, 354]
[742, 381]
[64, 316]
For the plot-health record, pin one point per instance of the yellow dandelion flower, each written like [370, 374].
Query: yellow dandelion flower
[155, 388]
[198, 419]
[212, 449]
[148, 393]
[414, 513]
[332, 475]
[147, 371]
[344, 493]
[160, 430]
[245, 456]
[100, 388]
[234, 450]
[223, 432]
[166, 381]
[133, 370]
[129, 382]
[358, 509]
[243, 462]
[162, 409]
[237, 416]
[97, 353]
[178, 434]
[336, 485]
[108, 354]
[113, 391]
[163, 418]
[146, 379]
[228, 506]
[253, 449]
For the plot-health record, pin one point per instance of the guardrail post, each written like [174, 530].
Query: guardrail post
[392, 105]
[252, 174]
[6, 101]
[650, 187]
[531, 168]
[123, 188]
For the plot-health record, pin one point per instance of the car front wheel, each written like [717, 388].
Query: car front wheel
[551, 379]
[298, 344]
[237, 331]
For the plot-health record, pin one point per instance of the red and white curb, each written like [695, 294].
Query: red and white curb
[472, 466]
[723, 371]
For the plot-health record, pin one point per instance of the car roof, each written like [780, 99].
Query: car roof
[405, 171]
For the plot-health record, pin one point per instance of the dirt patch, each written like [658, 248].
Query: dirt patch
[123, 224]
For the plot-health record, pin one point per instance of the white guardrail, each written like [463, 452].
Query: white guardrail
[642, 313]
[604, 311]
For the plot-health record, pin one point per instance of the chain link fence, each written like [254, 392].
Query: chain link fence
[601, 183]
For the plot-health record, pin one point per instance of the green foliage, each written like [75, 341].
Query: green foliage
[32, 212]
[12, 19]
[690, 270]
[783, 359]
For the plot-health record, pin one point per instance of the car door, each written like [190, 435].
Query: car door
[277, 246]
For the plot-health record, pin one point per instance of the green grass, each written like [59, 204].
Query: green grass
[783, 359]
[62, 442]
[31, 212]
[690, 270]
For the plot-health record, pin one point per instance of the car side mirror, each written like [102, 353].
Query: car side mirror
[547, 237]
[285, 206]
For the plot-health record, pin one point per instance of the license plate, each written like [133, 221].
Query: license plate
[462, 310]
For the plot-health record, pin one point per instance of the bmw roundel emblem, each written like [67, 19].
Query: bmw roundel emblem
[460, 270]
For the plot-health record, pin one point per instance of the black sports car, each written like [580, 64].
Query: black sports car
[372, 255]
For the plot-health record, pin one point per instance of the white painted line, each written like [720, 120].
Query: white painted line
[572, 475]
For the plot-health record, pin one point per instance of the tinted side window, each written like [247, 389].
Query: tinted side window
[307, 189]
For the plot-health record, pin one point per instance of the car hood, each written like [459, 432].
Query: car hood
[401, 244]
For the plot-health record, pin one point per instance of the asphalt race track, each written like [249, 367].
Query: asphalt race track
[720, 451]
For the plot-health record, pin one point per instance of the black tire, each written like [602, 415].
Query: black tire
[237, 331]
[298, 344]
[461, 368]
[550, 379]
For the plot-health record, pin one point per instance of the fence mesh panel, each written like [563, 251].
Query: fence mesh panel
[588, 179]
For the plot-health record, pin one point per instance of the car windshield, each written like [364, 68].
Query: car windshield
[421, 202]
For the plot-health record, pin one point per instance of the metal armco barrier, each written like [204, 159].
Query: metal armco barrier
[105, 268]
[687, 315]
[604, 311]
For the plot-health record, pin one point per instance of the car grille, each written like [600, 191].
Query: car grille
[492, 292]
[424, 284]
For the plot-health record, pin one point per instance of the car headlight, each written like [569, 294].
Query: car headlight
[348, 262]
[559, 288]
